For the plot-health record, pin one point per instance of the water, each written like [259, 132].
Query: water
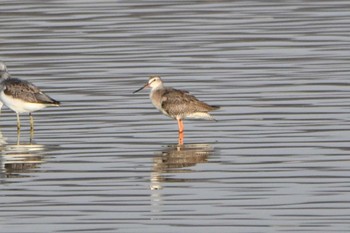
[277, 159]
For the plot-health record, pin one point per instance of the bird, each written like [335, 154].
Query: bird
[3, 75]
[22, 96]
[177, 104]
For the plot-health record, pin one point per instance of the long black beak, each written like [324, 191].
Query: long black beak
[140, 88]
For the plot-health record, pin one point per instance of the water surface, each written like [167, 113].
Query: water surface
[277, 159]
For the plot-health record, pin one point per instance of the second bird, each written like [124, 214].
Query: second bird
[177, 104]
[22, 96]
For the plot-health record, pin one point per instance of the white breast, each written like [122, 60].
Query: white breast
[19, 105]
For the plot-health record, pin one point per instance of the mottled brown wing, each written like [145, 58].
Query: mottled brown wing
[178, 102]
[26, 91]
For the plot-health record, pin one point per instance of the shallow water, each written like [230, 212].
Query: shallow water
[277, 159]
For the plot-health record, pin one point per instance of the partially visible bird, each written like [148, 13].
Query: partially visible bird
[3, 75]
[177, 104]
[22, 96]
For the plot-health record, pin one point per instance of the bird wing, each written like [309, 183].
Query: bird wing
[26, 91]
[178, 102]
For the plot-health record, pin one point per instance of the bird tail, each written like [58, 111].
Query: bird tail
[55, 103]
[47, 100]
[214, 107]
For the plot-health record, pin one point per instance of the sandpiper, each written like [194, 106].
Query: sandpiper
[177, 104]
[22, 96]
[3, 75]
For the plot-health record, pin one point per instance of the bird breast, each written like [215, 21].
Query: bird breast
[156, 98]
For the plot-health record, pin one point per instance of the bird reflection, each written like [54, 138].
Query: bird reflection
[177, 159]
[16, 160]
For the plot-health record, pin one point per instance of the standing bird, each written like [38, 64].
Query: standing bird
[177, 104]
[3, 75]
[22, 96]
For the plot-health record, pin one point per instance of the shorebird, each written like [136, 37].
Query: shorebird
[22, 96]
[177, 104]
[3, 75]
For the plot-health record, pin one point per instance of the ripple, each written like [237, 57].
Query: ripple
[107, 161]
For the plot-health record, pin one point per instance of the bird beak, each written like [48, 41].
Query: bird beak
[146, 85]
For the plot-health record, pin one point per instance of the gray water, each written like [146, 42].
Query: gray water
[276, 160]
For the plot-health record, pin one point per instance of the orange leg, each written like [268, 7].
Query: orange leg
[181, 131]
[181, 125]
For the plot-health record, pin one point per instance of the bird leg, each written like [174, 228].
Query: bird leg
[18, 123]
[181, 125]
[181, 131]
[31, 127]
[31, 122]
[181, 139]
[18, 136]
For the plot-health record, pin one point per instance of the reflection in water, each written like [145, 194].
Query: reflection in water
[17, 159]
[175, 158]
[280, 69]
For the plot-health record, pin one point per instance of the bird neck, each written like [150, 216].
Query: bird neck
[4, 75]
[160, 86]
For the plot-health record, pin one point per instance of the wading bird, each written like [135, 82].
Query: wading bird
[177, 104]
[22, 96]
